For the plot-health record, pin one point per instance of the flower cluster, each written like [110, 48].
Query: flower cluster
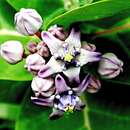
[56, 63]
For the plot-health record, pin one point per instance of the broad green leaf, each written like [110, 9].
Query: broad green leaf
[94, 11]
[9, 111]
[17, 71]
[6, 15]
[44, 7]
[12, 91]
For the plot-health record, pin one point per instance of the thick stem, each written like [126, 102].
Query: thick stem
[38, 34]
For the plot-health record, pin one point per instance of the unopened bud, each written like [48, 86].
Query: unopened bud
[42, 49]
[43, 87]
[110, 66]
[34, 63]
[58, 32]
[28, 21]
[12, 51]
[94, 85]
[89, 46]
[32, 47]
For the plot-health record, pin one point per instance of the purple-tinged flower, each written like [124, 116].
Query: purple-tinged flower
[110, 66]
[12, 51]
[58, 32]
[34, 62]
[28, 21]
[32, 47]
[88, 46]
[94, 85]
[67, 56]
[65, 99]
[43, 87]
[42, 49]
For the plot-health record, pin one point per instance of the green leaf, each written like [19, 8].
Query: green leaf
[17, 71]
[6, 15]
[12, 91]
[9, 111]
[44, 7]
[94, 11]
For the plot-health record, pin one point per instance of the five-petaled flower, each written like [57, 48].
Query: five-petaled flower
[67, 56]
[65, 99]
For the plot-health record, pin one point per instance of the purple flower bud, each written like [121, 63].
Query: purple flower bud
[28, 21]
[58, 32]
[88, 46]
[43, 87]
[42, 49]
[32, 47]
[94, 85]
[34, 63]
[110, 66]
[12, 51]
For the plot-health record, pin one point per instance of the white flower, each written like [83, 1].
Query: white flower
[28, 21]
[43, 87]
[67, 56]
[12, 51]
[34, 63]
[110, 66]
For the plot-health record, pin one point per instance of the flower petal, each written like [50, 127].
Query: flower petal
[52, 42]
[73, 74]
[50, 68]
[88, 56]
[43, 102]
[83, 85]
[60, 84]
[56, 114]
[74, 39]
[79, 105]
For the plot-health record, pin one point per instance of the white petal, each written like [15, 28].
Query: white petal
[60, 84]
[72, 73]
[88, 56]
[74, 39]
[53, 43]
[52, 67]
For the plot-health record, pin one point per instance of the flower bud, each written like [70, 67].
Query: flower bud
[58, 32]
[43, 87]
[12, 51]
[110, 66]
[94, 85]
[32, 47]
[42, 49]
[28, 21]
[88, 46]
[34, 63]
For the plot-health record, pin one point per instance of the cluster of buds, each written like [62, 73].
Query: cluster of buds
[57, 57]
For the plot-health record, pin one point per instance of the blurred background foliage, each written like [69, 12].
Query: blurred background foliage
[105, 23]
